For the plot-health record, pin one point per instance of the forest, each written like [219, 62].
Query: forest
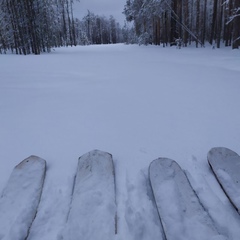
[184, 21]
[36, 26]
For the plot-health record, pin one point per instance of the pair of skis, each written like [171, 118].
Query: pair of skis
[93, 201]
[181, 213]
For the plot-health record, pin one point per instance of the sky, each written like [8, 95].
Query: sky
[101, 7]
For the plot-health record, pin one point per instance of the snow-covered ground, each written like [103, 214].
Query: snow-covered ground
[137, 103]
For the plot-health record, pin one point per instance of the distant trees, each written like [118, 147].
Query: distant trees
[165, 21]
[36, 26]
[97, 29]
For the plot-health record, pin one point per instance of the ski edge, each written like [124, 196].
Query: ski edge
[216, 175]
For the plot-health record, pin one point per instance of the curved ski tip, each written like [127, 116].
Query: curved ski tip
[222, 151]
[100, 152]
[219, 149]
[163, 162]
[96, 152]
[32, 159]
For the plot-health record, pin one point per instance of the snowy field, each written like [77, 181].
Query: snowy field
[137, 103]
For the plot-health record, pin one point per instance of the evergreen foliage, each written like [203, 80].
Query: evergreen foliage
[37, 26]
[167, 21]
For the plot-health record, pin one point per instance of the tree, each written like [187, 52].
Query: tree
[236, 24]
[165, 21]
[35, 26]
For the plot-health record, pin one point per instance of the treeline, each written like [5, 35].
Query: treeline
[36, 26]
[95, 29]
[185, 21]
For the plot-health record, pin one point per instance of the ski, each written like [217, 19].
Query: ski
[180, 211]
[93, 203]
[225, 165]
[20, 198]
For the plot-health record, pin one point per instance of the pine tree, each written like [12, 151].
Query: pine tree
[236, 24]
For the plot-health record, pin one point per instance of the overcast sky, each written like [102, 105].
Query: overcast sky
[101, 7]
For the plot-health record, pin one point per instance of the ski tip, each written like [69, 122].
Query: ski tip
[220, 151]
[30, 160]
[163, 162]
[95, 152]
[96, 159]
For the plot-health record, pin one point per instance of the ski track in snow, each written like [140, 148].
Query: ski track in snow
[137, 103]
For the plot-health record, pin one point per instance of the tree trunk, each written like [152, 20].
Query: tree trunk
[214, 18]
[236, 26]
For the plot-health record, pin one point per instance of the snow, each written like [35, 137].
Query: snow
[137, 103]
